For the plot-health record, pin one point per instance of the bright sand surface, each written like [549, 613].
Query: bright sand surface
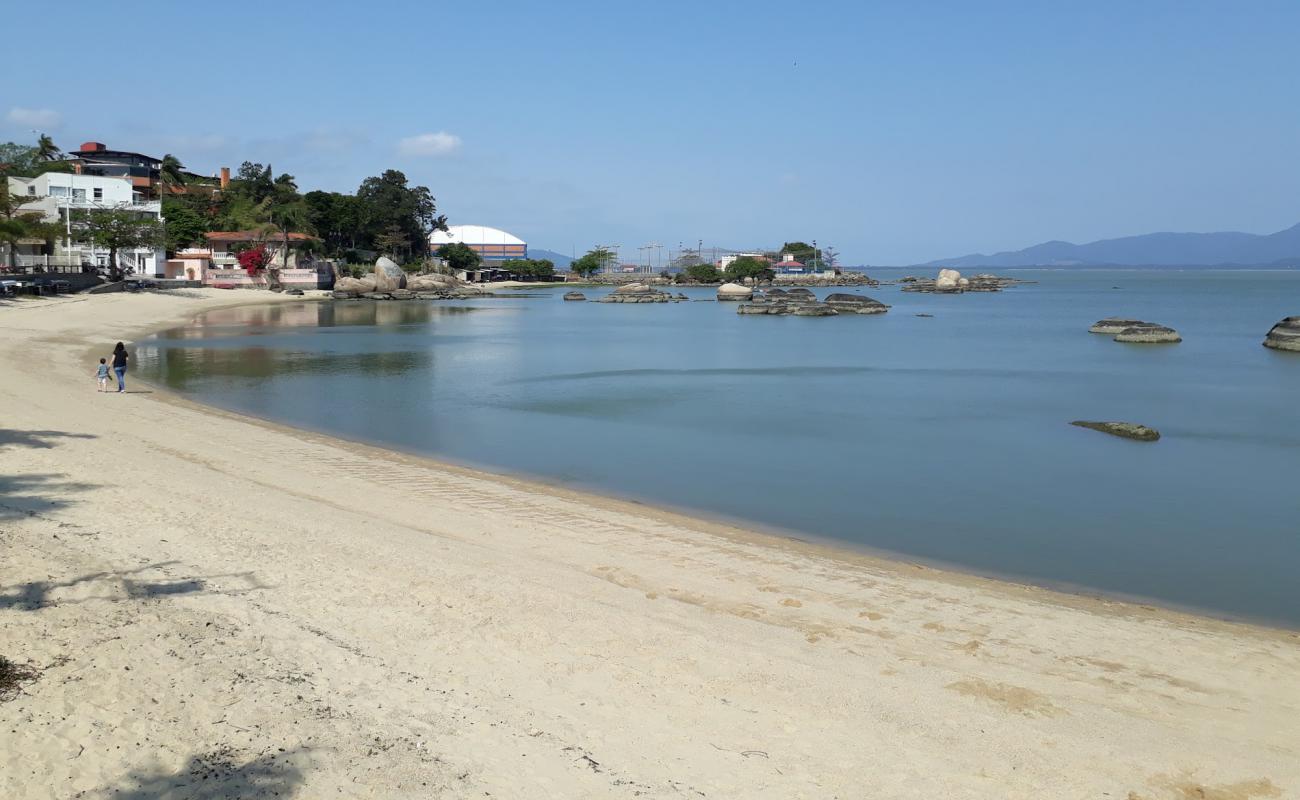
[221, 607]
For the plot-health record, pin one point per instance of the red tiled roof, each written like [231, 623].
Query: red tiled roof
[789, 264]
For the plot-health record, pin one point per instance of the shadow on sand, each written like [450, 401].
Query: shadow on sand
[43, 440]
[26, 495]
[119, 585]
[209, 776]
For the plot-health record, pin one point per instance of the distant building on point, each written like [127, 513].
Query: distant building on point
[493, 245]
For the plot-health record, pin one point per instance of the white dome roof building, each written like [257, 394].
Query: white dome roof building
[492, 244]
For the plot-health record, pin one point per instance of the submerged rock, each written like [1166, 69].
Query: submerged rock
[1127, 430]
[579, 296]
[734, 292]
[1149, 334]
[1285, 335]
[1114, 325]
[855, 303]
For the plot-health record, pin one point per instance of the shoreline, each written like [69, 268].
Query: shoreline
[756, 531]
[289, 609]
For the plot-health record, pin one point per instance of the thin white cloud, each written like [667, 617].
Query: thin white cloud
[429, 144]
[39, 118]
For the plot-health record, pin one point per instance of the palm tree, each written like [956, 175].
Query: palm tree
[172, 171]
[280, 213]
[46, 149]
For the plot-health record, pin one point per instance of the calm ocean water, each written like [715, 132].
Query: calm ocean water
[942, 439]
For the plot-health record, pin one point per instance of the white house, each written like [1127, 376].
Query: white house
[66, 198]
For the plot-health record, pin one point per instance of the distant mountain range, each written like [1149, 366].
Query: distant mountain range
[560, 260]
[1150, 250]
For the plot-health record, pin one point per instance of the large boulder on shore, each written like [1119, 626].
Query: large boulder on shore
[1285, 335]
[734, 292]
[1149, 334]
[388, 276]
[355, 285]
[846, 303]
[431, 282]
[1127, 430]
[634, 288]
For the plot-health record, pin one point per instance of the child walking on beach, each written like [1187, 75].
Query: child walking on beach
[102, 375]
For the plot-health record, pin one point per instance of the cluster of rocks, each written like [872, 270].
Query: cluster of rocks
[639, 293]
[1285, 335]
[803, 303]
[842, 279]
[950, 281]
[389, 282]
[1127, 430]
[575, 296]
[1135, 331]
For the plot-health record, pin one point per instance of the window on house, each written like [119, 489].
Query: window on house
[58, 191]
[31, 190]
[99, 194]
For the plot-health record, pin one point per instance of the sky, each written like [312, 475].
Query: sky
[895, 132]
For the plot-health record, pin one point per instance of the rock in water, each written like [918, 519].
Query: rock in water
[734, 292]
[1114, 325]
[855, 304]
[948, 281]
[1149, 334]
[814, 310]
[355, 285]
[388, 276]
[1285, 335]
[574, 296]
[1128, 430]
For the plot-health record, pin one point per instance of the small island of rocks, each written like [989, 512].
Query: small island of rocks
[1135, 331]
[803, 303]
[950, 281]
[640, 293]
[1285, 335]
[1126, 430]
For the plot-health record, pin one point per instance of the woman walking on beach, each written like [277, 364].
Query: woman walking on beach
[119, 366]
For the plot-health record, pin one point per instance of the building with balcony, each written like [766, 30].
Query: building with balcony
[218, 263]
[68, 199]
[143, 172]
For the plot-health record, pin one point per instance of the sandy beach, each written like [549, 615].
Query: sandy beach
[221, 607]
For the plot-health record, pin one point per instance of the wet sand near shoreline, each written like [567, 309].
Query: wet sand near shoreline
[221, 602]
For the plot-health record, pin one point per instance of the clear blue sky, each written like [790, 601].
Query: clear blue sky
[906, 132]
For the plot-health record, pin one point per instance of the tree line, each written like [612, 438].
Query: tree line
[386, 214]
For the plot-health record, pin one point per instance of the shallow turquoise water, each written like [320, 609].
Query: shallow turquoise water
[941, 438]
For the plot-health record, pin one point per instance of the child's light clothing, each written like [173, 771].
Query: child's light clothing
[102, 375]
